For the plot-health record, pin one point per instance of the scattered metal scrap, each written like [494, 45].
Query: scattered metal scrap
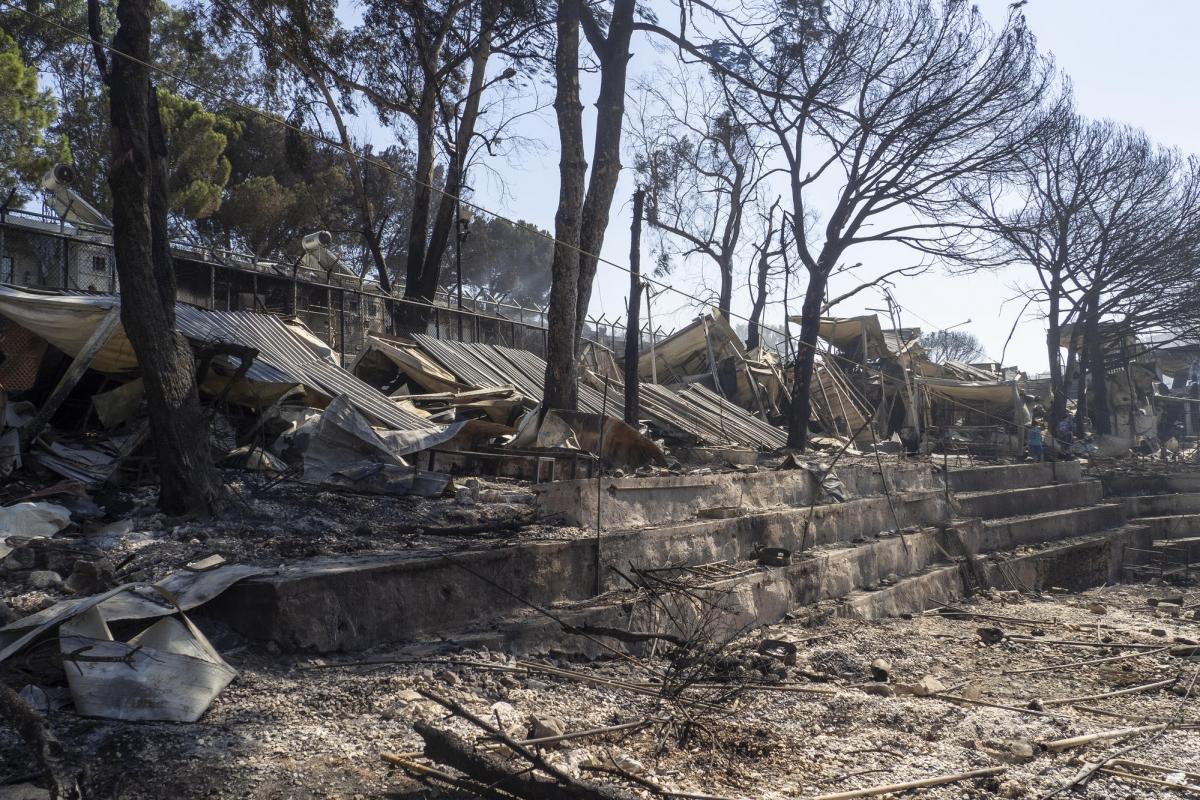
[169, 671]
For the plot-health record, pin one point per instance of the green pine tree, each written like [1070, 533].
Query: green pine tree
[25, 113]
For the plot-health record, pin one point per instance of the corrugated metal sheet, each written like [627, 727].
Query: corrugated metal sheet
[694, 412]
[282, 357]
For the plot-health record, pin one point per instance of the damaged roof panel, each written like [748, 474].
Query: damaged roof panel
[696, 411]
[66, 321]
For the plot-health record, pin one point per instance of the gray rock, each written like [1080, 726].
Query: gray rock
[44, 579]
[928, 685]
[543, 727]
[89, 577]
[447, 677]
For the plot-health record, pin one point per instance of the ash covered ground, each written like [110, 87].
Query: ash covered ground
[301, 727]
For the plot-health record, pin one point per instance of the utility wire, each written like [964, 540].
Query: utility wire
[228, 101]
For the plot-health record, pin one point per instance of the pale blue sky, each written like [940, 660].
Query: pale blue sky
[1131, 62]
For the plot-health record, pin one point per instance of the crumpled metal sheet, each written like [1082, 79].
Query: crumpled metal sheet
[129, 601]
[168, 672]
[341, 447]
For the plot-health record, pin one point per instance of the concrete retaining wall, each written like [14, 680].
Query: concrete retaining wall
[1122, 484]
[1161, 505]
[1023, 531]
[1014, 476]
[1075, 566]
[1178, 526]
[643, 502]
[1037, 500]
[349, 604]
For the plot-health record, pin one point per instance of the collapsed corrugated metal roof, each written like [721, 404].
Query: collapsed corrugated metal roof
[66, 321]
[694, 412]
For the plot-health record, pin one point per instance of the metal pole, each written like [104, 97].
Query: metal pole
[650, 327]
[458, 242]
[632, 320]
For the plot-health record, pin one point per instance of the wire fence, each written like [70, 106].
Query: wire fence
[41, 251]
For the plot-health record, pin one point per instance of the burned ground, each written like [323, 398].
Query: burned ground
[303, 727]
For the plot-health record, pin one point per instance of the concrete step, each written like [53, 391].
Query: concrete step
[637, 502]
[1178, 549]
[1038, 499]
[762, 597]
[354, 603]
[1125, 485]
[929, 588]
[1075, 563]
[1008, 533]
[1014, 476]
[1160, 505]
[1174, 526]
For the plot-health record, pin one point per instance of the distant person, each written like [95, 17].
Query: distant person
[1065, 432]
[1036, 445]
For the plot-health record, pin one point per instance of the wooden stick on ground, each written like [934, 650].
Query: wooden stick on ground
[1141, 719]
[1089, 662]
[488, 768]
[625, 726]
[452, 750]
[953, 698]
[1081, 643]
[426, 771]
[1059, 745]
[1145, 687]
[1129, 776]
[918, 784]
[1129, 762]
[662, 791]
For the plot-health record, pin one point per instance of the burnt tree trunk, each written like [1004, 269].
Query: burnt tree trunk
[725, 299]
[425, 123]
[1058, 389]
[444, 221]
[613, 53]
[369, 231]
[188, 482]
[806, 350]
[561, 388]
[1093, 345]
[633, 321]
[754, 332]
